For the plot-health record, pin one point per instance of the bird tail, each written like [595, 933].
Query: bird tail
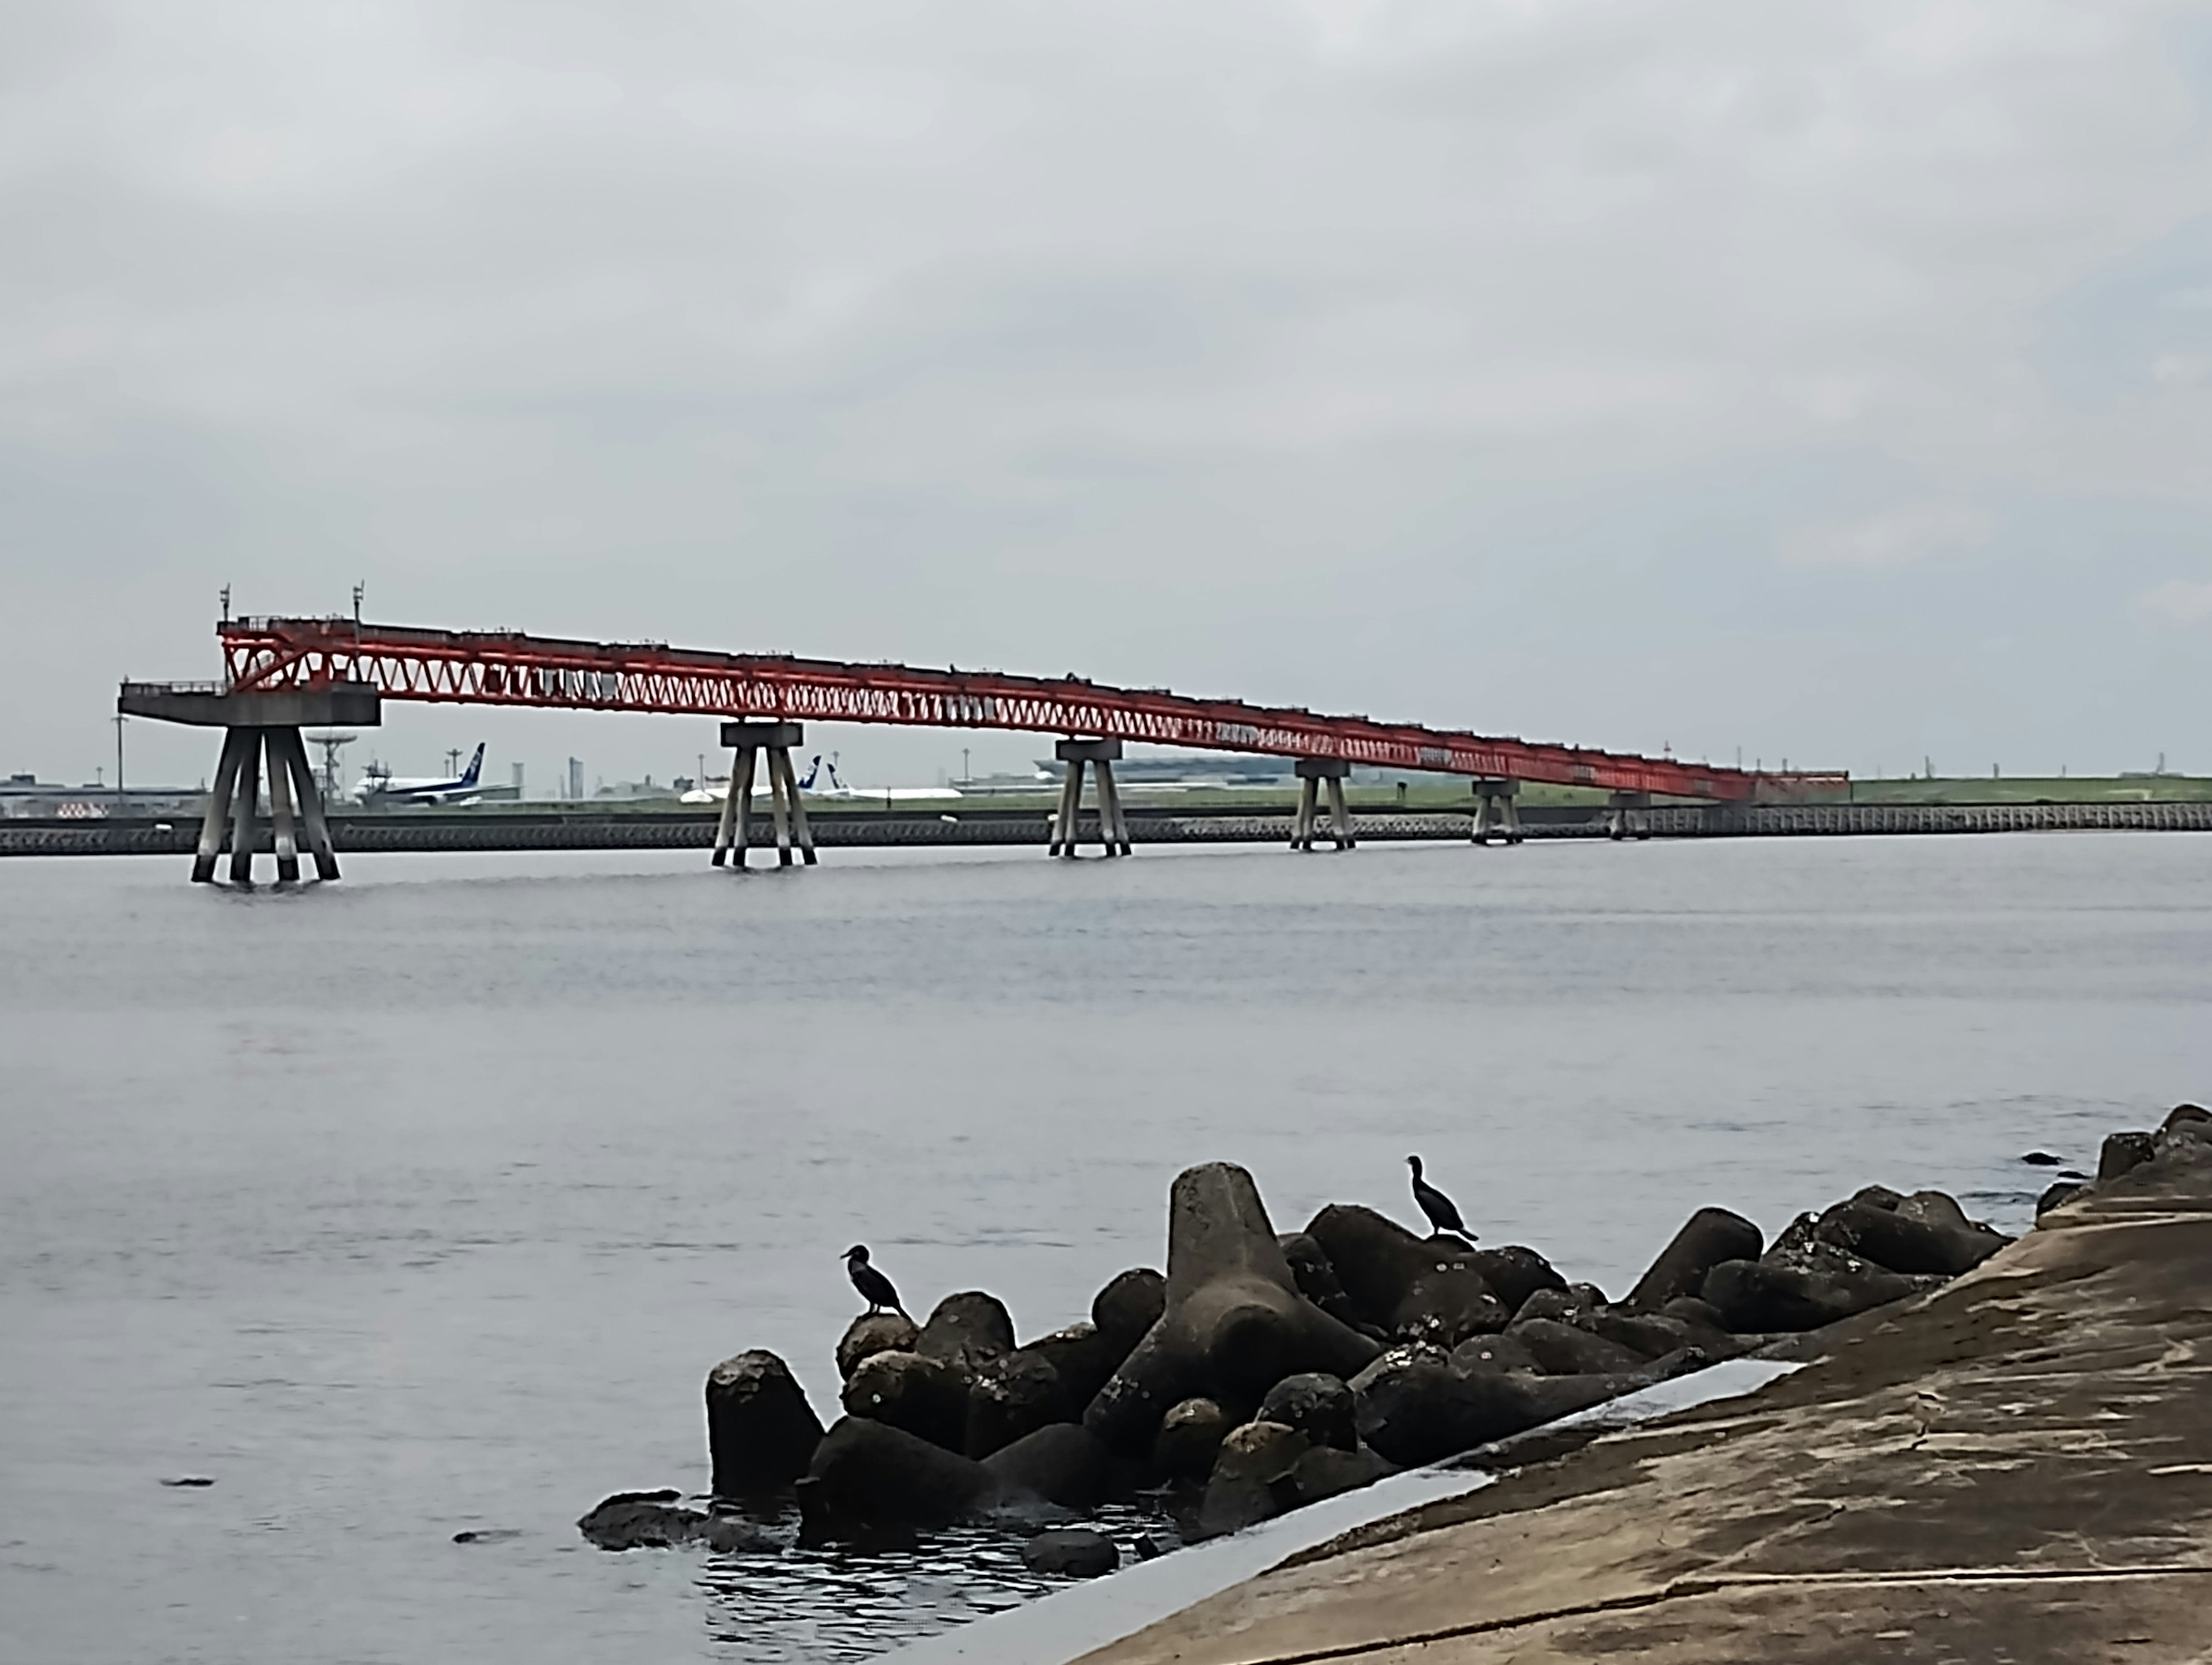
[903, 1312]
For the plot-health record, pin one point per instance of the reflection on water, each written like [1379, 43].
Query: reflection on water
[798, 1605]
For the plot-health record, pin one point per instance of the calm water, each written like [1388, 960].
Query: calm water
[424, 1203]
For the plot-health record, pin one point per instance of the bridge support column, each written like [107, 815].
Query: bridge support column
[255, 724]
[1495, 815]
[1626, 817]
[286, 743]
[1305, 826]
[762, 744]
[295, 798]
[1113, 825]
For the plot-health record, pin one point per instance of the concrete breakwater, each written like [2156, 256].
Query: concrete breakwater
[1261, 1373]
[2017, 1465]
[598, 830]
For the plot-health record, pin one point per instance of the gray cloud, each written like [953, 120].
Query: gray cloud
[1498, 365]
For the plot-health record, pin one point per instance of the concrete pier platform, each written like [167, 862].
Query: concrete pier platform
[2017, 1468]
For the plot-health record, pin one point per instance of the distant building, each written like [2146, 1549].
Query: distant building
[26, 798]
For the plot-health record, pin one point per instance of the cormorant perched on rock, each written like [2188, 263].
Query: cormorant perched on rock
[874, 1285]
[1442, 1214]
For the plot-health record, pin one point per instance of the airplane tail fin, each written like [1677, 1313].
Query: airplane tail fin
[475, 764]
[813, 768]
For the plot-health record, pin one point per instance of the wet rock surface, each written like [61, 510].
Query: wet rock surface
[761, 1432]
[1072, 1553]
[873, 1333]
[1234, 1322]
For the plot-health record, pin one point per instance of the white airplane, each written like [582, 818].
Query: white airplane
[382, 787]
[713, 792]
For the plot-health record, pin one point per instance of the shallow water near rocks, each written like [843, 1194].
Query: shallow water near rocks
[422, 1204]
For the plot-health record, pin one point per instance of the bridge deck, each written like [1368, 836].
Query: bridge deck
[492, 667]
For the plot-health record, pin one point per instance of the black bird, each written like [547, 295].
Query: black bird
[1442, 1214]
[872, 1283]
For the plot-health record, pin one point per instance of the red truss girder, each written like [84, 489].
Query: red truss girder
[506, 668]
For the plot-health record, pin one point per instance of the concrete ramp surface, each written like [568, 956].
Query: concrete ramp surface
[2017, 1468]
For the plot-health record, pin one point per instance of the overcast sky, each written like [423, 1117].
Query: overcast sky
[1833, 382]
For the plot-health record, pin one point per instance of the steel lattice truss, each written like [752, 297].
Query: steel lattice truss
[507, 668]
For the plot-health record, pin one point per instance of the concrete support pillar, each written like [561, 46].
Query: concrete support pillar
[1495, 815]
[1626, 816]
[752, 743]
[1066, 821]
[294, 753]
[295, 803]
[234, 742]
[1302, 818]
[286, 835]
[244, 800]
[1312, 773]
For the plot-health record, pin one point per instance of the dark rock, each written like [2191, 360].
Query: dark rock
[190, 1482]
[1127, 1307]
[488, 1534]
[641, 1520]
[727, 1535]
[867, 1472]
[1908, 1242]
[1012, 1395]
[873, 1333]
[1972, 1241]
[1327, 1471]
[1318, 1407]
[2058, 1196]
[1654, 1335]
[2042, 1159]
[1569, 1305]
[1190, 1435]
[966, 1329]
[2191, 1122]
[1877, 1196]
[1416, 1289]
[1242, 1488]
[1770, 1295]
[1073, 1551]
[1513, 1274]
[1061, 1463]
[2123, 1151]
[1565, 1349]
[1707, 1238]
[1377, 1261]
[927, 1397]
[1448, 1303]
[1413, 1408]
[1506, 1351]
[1235, 1323]
[1084, 1358]
[761, 1432]
[1316, 1278]
[1695, 1312]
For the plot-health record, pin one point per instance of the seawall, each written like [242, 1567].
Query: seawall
[601, 829]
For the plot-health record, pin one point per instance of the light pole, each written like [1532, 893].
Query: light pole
[118, 721]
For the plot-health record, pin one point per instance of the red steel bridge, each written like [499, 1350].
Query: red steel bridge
[281, 673]
[503, 667]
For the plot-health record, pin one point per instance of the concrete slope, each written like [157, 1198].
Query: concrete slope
[2016, 1468]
